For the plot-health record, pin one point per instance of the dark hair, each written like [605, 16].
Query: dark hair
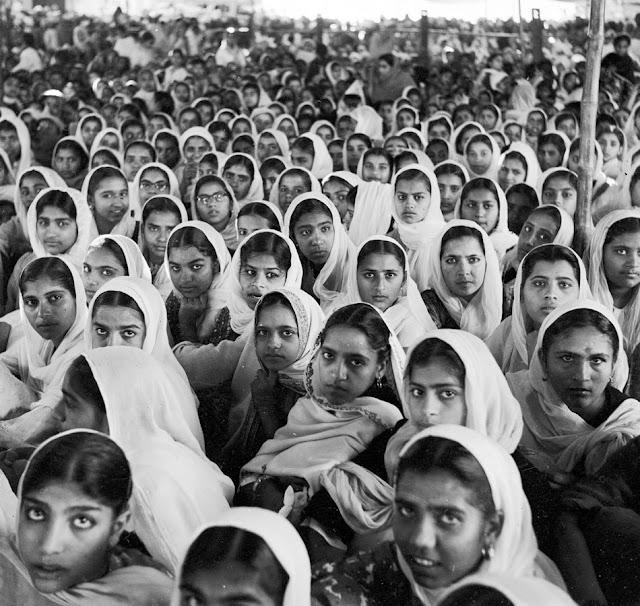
[429, 350]
[298, 172]
[192, 110]
[461, 134]
[159, 204]
[242, 138]
[382, 247]
[113, 159]
[266, 243]
[162, 117]
[218, 545]
[90, 460]
[378, 151]
[563, 173]
[305, 145]
[367, 320]
[239, 159]
[366, 140]
[410, 175]
[435, 453]
[74, 146]
[308, 206]
[52, 268]
[410, 109]
[114, 298]
[554, 139]
[414, 136]
[209, 157]
[580, 318]
[257, 209]
[449, 168]
[387, 58]
[114, 248]
[131, 108]
[440, 120]
[551, 253]
[518, 157]
[460, 231]
[628, 225]
[142, 143]
[479, 183]
[563, 116]
[271, 299]
[103, 172]
[526, 190]
[130, 122]
[169, 136]
[192, 236]
[58, 199]
[476, 595]
[272, 163]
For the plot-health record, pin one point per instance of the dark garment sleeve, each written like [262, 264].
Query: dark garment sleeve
[437, 310]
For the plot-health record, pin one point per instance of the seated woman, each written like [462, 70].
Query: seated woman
[285, 332]
[79, 481]
[128, 394]
[194, 143]
[464, 289]
[109, 257]
[352, 369]
[107, 193]
[462, 475]
[291, 183]
[417, 215]
[482, 156]
[484, 202]
[574, 416]
[249, 552]
[242, 174]
[559, 186]
[197, 259]
[160, 215]
[257, 215]
[378, 274]
[214, 203]
[452, 177]
[153, 179]
[53, 315]
[552, 150]
[313, 223]
[549, 277]
[70, 160]
[518, 164]
[546, 224]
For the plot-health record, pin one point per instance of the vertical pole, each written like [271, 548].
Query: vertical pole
[588, 112]
[424, 36]
[520, 26]
[536, 34]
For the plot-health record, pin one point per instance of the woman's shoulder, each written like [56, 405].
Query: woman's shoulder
[222, 330]
[437, 310]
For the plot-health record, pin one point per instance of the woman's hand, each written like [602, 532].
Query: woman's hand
[262, 386]
[190, 312]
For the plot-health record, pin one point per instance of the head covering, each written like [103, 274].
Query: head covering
[318, 124]
[52, 179]
[97, 142]
[117, 156]
[230, 232]
[196, 131]
[84, 221]
[368, 122]
[274, 195]
[440, 117]
[492, 170]
[24, 138]
[240, 312]
[134, 190]
[554, 437]
[413, 131]
[281, 140]
[482, 314]
[456, 135]
[242, 118]
[280, 537]
[217, 294]
[329, 282]
[465, 179]
[322, 163]
[256, 191]
[546, 175]
[75, 180]
[136, 264]
[417, 237]
[91, 116]
[532, 165]
[176, 488]
[280, 119]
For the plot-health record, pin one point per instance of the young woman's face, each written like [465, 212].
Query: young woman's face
[290, 187]
[188, 120]
[466, 135]
[67, 163]
[579, 365]
[337, 158]
[569, 128]
[205, 168]
[191, 271]
[277, 339]
[355, 149]
[450, 189]
[376, 168]
[412, 199]
[314, 235]
[481, 206]
[621, 261]
[30, 187]
[213, 204]
[405, 119]
[325, 133]
[337, 191]
[550, 285]
[438, 527]
[463, 266]
[549, 156]
[535, 124]
[438, 131]
[50, 308]
[288, 128]
[65, 536]
[89, 131]
[195, 148]
[222, 584]
[153, 182]
[395, 146]
[248, 224]
[79, 410]
[437, 152]
[133, 132]
[513, 132]
[156, 230]
[10, 143]
[269, 178]
[263, 121]
[136, 157]
[239, 180]
[380, 279]
[110, 201]
[267, 147]
[346, 365]
[100, 265]
[111, 141]
[488, 119]
[479, 157]
[117, 325]
[435, 394]
[155, 124]
[56, 230]
[559, 191]
[301, 158]
[610, 146]
[239, 127]
[346, 127]
[259, 275]
[511, 172]
[168, 151]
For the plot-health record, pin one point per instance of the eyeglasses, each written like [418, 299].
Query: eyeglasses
[159, 186]
[216, 198]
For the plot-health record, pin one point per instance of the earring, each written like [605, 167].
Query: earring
[379, 382]
[488, 551]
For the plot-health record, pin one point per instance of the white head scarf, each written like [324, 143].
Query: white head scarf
[97, 142]
[240, 312]
[318, 124]
[136, 264]
[84, 221]
[127, 224]
[134, 191]
[368, 122]
[482, 314]
[91, 116]
[530, 158]
[465, 179]
[417, 237]
[280, 537]
[230, 231]
[426, 125]
[196, 131]
[456, 135]
[554, 437]
[330, 280]
[565, 140]
[176, 488]
[242, 118]
[594, 256]
[492, 171]
[322, 163]
[24, 138]
[275, 190]
[256, 191]
[547, 174]
[281, 140]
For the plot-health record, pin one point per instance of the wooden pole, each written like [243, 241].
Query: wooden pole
[588, 113]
